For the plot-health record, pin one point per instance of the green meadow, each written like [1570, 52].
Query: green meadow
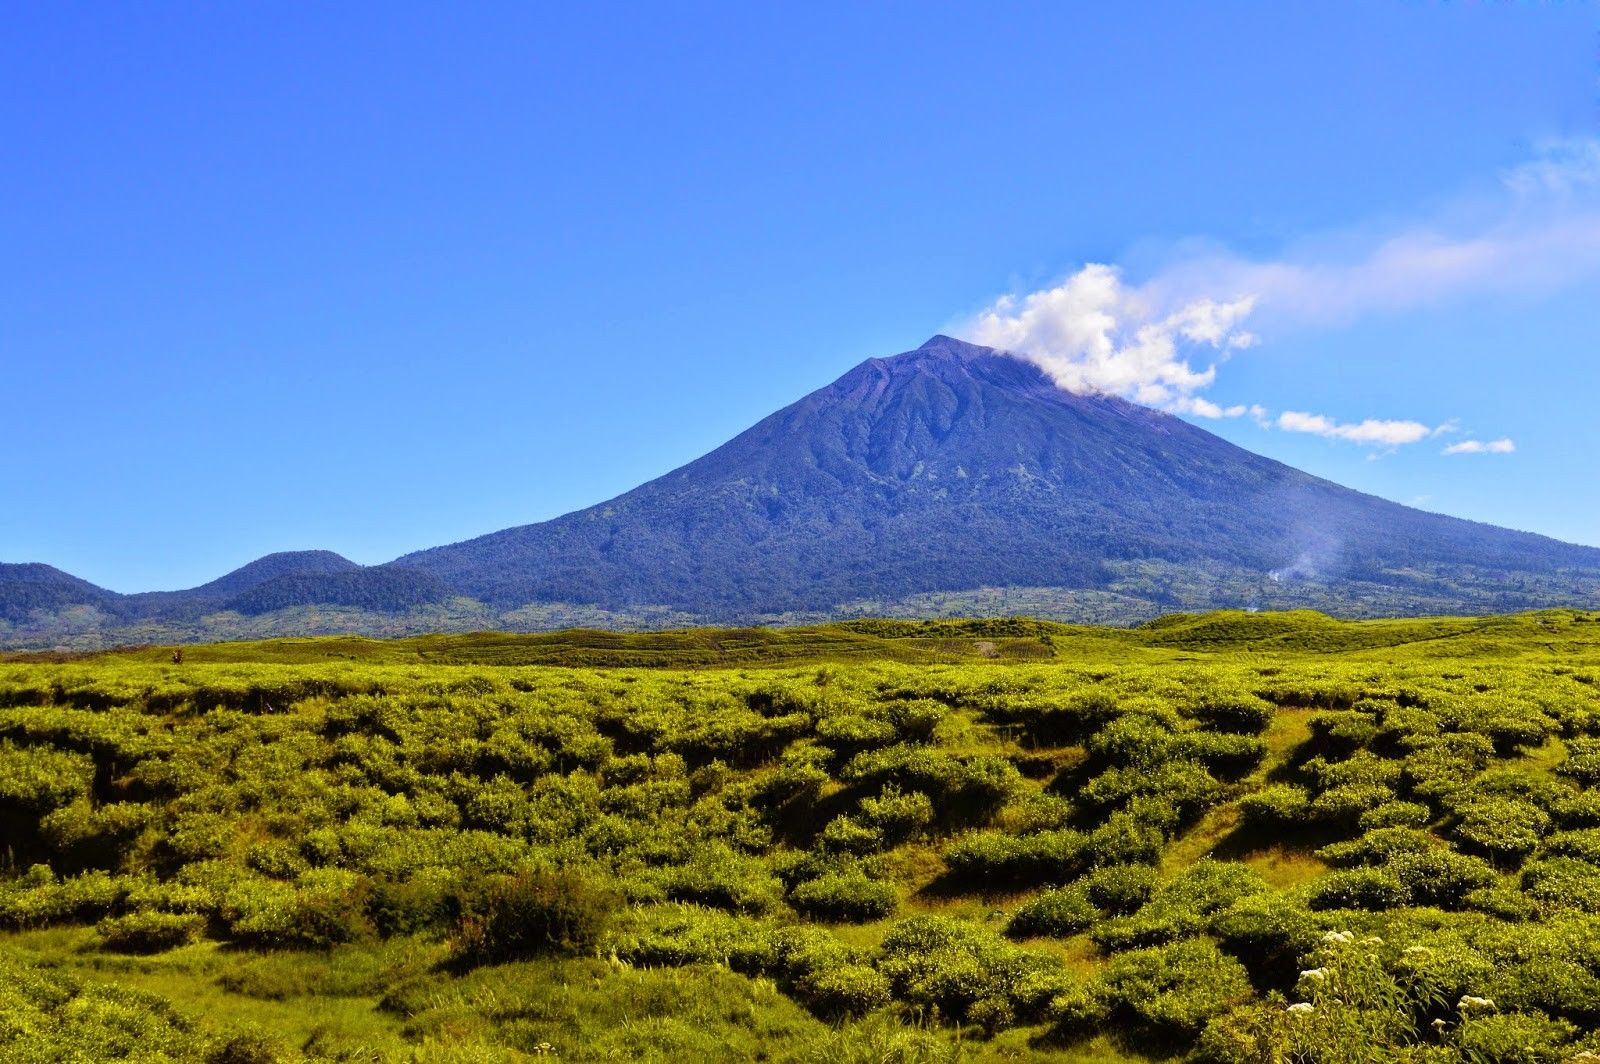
[1227, 838]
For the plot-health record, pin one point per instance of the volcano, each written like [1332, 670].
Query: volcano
[939, 471]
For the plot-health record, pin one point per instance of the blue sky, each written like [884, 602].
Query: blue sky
[396, 275]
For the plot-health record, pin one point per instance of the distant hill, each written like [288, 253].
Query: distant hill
[948, 479]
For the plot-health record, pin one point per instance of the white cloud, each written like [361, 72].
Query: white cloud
[1201, 407]
[1093, 333]
[1373, 432]
[1160, 342]
[1501, 446]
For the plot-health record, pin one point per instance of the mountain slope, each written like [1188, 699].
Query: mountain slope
[954, 467]
[32, 586]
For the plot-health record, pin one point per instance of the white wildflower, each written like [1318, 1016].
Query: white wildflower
[1469, 1002]
[1300, 1008]
[1318, 974]
[1338, 937]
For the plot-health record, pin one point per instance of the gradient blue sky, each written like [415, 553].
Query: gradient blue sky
[396, 275]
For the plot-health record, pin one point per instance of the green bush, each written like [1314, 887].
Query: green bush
[1441, 877]
[1120, 889]
[1177, 989]
[35, 780]
[149, 932]
[1396, 815]
[1128, 836]
[994, 858]
[535, 911]
[1582, 762]
[846, 897]
[825, 975]
[1563, 882]
[1358, 888]
[1514, 1038]
[1231, 757]
[1280, 805]
[962, 970]
[847, 834]
[1503, 828]
[897, 815]
[1058, 913]
[1243, 713]
[1268, 932]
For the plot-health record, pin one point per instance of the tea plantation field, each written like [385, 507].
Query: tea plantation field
[1228, 838]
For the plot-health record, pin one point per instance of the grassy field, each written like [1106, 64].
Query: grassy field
[1227, 837]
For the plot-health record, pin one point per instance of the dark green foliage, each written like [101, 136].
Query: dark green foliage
[1277, 806]
[1177, 989]
[1058, 913]
[1503, 828]
[850, 897]
[1120, 889]
[149, 932]
[1018, 860]
[830, 978]
[1182, 907]
[964, 971]
[532, 912]
[1359, 888]
[897, 815]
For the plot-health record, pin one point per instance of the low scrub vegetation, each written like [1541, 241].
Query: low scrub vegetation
[1313, 855]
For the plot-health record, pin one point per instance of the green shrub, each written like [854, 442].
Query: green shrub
[722, 878]
[851, 733]
[1186, 786]
[847, 897]
[1584, 844]
[1377, 846]
[1128, 837]
[1563, 882]
[535, 911]
[678, 935]
[1177, 989]
[959, 968]
[847, 834]
[1396, 815]
[1344, 730]
[1277, 806]
[1344, 806]
[1120, 889]
[1582, 762]
[1503, 828]
[897, 815]
[1358, 888]
[149, 932]
[1139, 740]
[1180, 908]
[1514, 1038]
[1441, 877]
[1231, 757]
[1268, 932]
[825, 975]
[1058, 913]
[35, 780]
[1243, 713]
[994, 858]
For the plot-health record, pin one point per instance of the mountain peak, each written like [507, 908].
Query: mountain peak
[940, 344]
